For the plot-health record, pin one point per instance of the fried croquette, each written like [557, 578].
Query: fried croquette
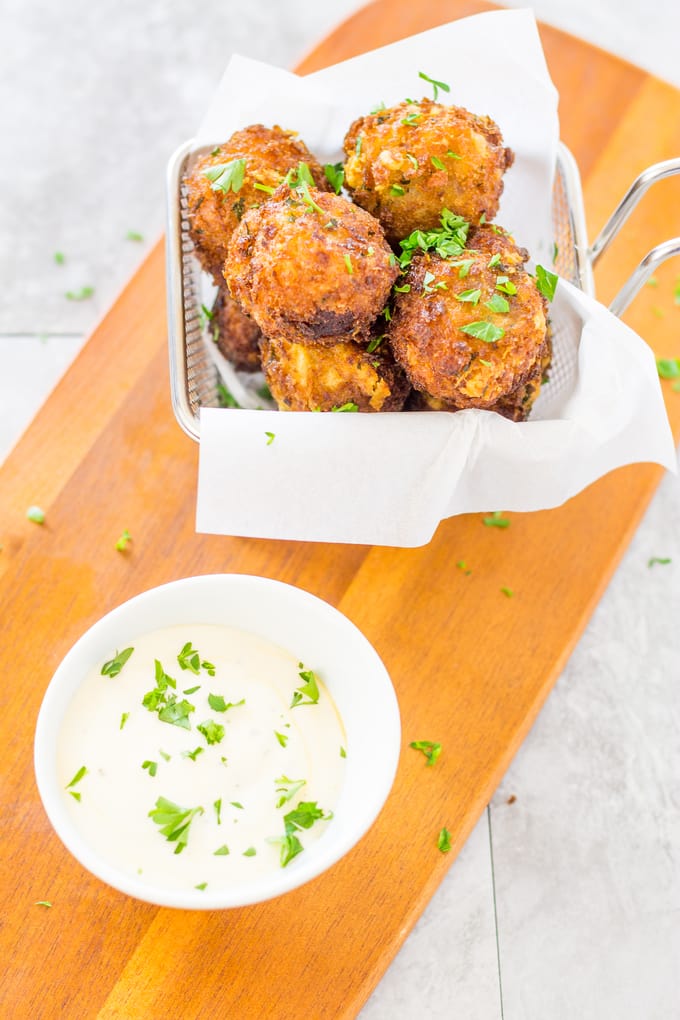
[233, 178]
[306, 377]
[310, 266]
[408, 162]
[236, 335]
[470, 330]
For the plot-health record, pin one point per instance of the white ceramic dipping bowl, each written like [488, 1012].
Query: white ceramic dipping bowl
[286, 616]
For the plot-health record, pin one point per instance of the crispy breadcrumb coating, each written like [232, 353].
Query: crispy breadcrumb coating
[407, 163]
[310, 266]
[217, 199]
[236, 335]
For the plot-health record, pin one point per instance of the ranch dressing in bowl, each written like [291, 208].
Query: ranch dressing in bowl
[232, 773]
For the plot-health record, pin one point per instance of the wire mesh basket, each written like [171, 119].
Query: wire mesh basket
[196, 366]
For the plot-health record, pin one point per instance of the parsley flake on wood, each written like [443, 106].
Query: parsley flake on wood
[496, 520]
[546, 282]
[174, 821]
[211, 730]
[430, 749]
[36, 515]
[42, 903]
[483, 330]
[508, 592]
[114, 665]
[124, 541]
[308, 692]
[436, 85]
[444, 841]
[335, 175]
[668, 368]
[226, 177]
[462, 565]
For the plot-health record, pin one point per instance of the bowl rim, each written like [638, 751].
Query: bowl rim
[323, 853]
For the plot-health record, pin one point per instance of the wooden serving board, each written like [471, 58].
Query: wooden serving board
[471, 666]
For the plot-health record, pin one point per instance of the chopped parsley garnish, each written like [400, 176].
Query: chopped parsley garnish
[397, 189]
[169, 709]
[59, 258]
[430, 749]
[444, 841]
[123, 719]
[493, 261]
[174, 821]
[177, 712]
[222, 851]
[463, 267]
[470, 296]
[287, 788]
[348, 263]
[225, 398]
[237, 804]
[343, 752]
[218, 810]
[35, 514]
[335, 175]
[164, 755]
[487, 363]
[281, 737]
[651, 282]
[150, 766]
[114, 665]
[192, 690]
[211, 730]
[250, 852]
[134, 235]
[412, 160]
[226, 177]
[303, 189]
[201, 886]
[556, 252]
[189, 658]
[308, 692]
[546, 282]
[271, 436]
[379, 108]
[290, 847]
[348, 407]
[508, 592]
[662, 560]
[504, 284]
[303, 816]
[437, 163]
[299, 175]
[42, 903]
[402, 290]
[497, 303]
[375, 344]
[411, 119]
[429, 286]
[668, 368]
[193, 754]
[124, 541]
[216, 151]
[676, 291]
[82, 771]
[218, 704]
[79, 295]
[357, 146]
[448, 240]
[436, 85]
[263, 187]
[453, 155]
[496, 520]
[483, 330]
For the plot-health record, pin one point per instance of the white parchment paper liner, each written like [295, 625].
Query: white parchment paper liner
[389, 479]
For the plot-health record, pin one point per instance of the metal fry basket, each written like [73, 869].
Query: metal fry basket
[196, 366]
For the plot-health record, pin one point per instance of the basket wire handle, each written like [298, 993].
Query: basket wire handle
[655, 257]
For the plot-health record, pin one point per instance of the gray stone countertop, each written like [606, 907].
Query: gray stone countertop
[565, 902]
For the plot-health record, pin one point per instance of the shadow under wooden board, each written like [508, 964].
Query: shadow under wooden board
[470, 666]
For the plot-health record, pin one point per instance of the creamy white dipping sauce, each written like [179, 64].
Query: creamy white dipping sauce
[107, 730]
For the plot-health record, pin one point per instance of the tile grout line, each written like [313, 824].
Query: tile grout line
[495, 911]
